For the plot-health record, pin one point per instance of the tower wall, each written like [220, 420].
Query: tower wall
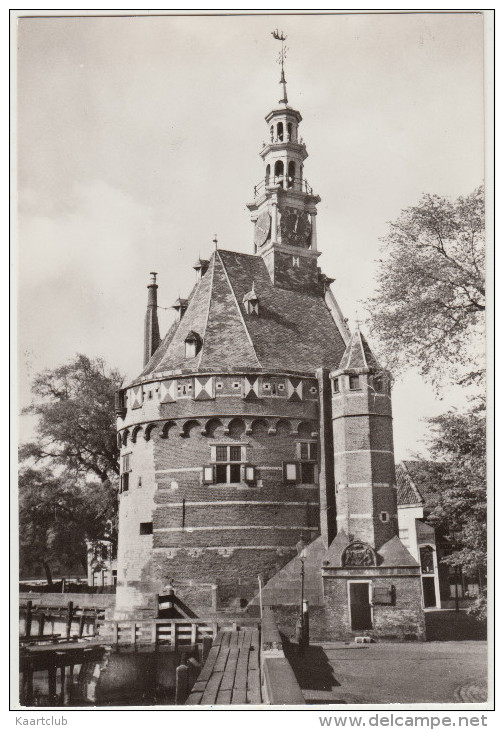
[366, 496]
[212, 539]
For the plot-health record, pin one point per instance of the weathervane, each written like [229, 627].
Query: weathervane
[279, 36]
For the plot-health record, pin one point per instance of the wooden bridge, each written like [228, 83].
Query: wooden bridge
[231, 674]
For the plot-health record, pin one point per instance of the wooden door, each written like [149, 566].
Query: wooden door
[360, 608]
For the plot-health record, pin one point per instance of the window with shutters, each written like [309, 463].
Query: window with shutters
[228, 465]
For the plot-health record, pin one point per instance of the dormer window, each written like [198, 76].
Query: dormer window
[251, 302]
[354, 382]
[192, 345]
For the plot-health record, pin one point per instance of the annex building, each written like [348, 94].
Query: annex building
[260, 421]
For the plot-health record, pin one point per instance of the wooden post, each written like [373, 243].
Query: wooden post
[115, 631]
[133, 632]
[194, 634]
[28, 684]
[207, 645]
[82, 621]
[69, 619]
[63, 682]
[41, 623]
[181, 684]
[154, 633]
[52, 684]
[174, 637]
[28, 620]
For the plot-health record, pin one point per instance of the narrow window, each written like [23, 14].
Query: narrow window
[125, 482]
[126, 463]
[268, 173]
[336, 388]
[354, 381]
[289, 132]
[279, 170]
[272, 133]
[146, 528]
[292, 174]
[221, 453]
[384, 516]
[378, 383]
[280, 131]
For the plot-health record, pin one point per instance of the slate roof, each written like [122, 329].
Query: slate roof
[414, 482]
[294, 331]
[358, 354]
[393, 553]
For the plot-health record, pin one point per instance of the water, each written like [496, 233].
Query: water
[132, 676]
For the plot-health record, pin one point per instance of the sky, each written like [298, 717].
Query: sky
[138, 140]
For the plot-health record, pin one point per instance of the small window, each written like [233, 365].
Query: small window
[307, 473]
[219, 386]
[295, 261]
[146, 528]
[236, 385]
[266, 386]
[336, 388]
[126, 463]
[308, 451]
[378, 383]
[354, 382]
[125, 482]
[234, 453]
[384, 516]
[221, 453]
[281, 387]
[280, 131]
[313, 390]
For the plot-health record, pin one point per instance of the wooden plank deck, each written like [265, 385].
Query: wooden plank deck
[231, 673]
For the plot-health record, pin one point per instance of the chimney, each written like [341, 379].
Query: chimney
[151, 330]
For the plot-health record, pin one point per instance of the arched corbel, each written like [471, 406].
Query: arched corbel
[134, 433]
[148, 431]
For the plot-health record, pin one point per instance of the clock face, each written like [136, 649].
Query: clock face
[295, 227]
[262, 228]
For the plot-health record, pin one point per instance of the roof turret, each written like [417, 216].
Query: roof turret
[358, 355]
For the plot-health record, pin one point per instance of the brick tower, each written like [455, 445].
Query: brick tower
[371, 583]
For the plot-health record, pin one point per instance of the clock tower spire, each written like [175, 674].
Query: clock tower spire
[284, 207]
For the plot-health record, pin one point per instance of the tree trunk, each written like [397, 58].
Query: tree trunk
[48, 573]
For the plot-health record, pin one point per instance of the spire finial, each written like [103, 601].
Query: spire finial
[215, 241]
[279, 36]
